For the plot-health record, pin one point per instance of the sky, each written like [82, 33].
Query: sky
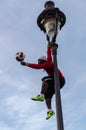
[19, 32]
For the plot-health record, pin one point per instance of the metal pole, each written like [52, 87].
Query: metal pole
[59, 115]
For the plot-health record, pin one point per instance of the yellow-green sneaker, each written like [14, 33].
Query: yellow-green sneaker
[50, 114]
[38, 98]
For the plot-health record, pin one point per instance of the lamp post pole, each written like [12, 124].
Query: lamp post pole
[50, 21]
[59, 115]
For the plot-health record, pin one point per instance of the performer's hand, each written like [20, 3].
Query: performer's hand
[49, 45]
[23, 63]
[54, 48]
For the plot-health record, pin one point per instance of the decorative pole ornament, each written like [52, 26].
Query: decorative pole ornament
[51, 20]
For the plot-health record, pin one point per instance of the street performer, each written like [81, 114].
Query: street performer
[47, 89]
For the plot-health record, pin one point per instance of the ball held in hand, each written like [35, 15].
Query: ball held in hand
[20, 56]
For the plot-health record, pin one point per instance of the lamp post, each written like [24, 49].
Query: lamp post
[50, 21]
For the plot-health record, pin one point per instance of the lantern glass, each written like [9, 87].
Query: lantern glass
[52, 28]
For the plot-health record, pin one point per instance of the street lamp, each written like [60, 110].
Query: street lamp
[50, 21]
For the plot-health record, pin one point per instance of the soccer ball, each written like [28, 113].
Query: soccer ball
[20, 56]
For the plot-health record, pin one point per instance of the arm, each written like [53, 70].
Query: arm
[49, 57]
[36, 66]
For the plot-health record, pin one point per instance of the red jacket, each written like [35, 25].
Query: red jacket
[48, 66]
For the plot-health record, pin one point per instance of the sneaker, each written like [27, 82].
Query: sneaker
[49, 114]
[38, 98]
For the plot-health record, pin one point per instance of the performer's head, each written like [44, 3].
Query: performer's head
[42, 59]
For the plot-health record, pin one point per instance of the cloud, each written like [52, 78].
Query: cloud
[19, 31]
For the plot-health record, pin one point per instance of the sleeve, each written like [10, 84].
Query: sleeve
[60, 74]
[49, 57]
[35, 66]
[39, 66]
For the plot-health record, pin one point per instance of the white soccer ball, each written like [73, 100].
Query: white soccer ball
[20, 56]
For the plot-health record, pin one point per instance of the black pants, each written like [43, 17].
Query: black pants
[51, 89]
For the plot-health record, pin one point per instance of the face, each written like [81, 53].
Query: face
[41, 61]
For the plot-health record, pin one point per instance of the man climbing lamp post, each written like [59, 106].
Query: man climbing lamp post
[50, 21]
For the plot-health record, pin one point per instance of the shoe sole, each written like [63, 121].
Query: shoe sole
[37, 100]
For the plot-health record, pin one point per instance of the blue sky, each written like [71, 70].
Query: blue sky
[19, 32]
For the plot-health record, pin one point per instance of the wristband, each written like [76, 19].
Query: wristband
[26, 64]
[49, 46]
